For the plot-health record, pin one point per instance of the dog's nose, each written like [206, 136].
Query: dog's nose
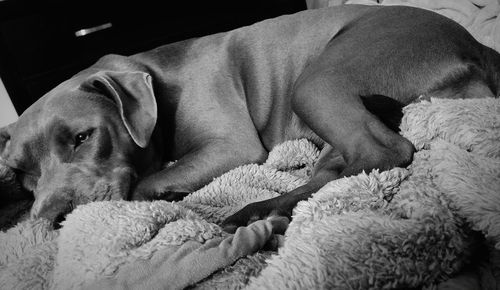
[52, 205]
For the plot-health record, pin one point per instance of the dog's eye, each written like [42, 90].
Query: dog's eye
[80, 138]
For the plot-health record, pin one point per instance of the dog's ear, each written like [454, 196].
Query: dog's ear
[133, 93]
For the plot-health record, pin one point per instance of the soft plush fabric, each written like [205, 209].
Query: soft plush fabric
[398, 228]
[404, 227]
[27, 255]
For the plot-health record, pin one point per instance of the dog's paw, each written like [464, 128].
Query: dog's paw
[254, 212]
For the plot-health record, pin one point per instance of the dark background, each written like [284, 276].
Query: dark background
[39, 49]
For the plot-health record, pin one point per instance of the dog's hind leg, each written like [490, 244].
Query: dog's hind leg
[334, 110]
[360, 136]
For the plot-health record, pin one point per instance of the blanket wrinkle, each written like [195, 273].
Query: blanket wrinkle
[110, 234]
[468, 194]
[194, 259]
[388, 258]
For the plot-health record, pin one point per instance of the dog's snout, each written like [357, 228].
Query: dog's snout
[53, 205]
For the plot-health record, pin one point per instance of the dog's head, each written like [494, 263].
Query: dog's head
[83, 141]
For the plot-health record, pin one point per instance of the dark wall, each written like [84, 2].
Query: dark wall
[39, 48]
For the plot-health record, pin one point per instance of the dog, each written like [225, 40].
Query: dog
[338, 76]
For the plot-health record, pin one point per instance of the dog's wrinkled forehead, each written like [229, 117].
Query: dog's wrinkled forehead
[70, 101]
[66, 101]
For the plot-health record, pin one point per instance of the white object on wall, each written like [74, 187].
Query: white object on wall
[8, 113]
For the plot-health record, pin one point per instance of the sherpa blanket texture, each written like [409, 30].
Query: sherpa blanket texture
[406, 227]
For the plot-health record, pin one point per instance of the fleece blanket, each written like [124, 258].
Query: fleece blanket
[405, 227]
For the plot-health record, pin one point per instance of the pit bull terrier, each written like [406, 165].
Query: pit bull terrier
[338, 76]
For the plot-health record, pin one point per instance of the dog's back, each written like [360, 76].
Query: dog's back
[264, 61]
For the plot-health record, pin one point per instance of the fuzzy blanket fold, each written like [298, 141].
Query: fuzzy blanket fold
[401, 228]
[408, 227]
